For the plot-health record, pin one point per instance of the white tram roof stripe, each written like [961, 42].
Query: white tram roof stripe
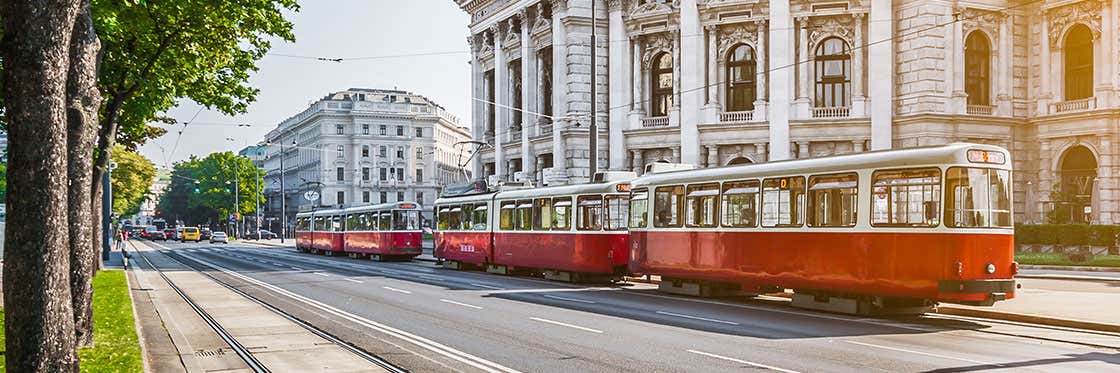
[955, 153]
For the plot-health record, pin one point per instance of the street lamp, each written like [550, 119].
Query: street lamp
[283, 196]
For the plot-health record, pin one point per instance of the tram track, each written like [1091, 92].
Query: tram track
[243, 352]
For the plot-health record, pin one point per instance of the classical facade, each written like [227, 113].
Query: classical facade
[362, 146]
[719, 82]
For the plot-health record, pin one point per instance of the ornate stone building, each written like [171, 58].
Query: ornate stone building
[718, 82]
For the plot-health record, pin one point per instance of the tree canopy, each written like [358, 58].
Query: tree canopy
[131, 180]
[199, 192]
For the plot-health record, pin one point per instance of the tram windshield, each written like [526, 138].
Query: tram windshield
[406, 220]
[618, 210]
[977, 198]
[639, 203]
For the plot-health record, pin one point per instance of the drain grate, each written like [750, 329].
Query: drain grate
[210, 353]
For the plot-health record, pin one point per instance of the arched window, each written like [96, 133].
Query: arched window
[661, 79]
[977, 62]
[833, 73]
[740, 79]
[1079, 63]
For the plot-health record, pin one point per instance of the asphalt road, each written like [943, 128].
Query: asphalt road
[428, 319]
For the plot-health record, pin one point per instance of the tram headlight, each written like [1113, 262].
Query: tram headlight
[991, 268]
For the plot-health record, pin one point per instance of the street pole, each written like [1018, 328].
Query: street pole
[257, 198]
[236, 204]
[106, 212]
[593, 141]
[283, 198]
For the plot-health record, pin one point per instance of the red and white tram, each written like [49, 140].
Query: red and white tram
[383, 231]
[859, 233]
[567, 233]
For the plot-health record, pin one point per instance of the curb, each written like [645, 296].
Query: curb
[1029, 319]
[1069, 268]
[1069, 278]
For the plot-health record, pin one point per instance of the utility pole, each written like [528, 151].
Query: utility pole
[593, 140]
[257, 198]
[283, 197]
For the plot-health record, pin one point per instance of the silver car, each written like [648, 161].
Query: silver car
[219, 237]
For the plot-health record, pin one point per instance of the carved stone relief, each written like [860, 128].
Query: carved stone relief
[821, 28]
[731, 35]
[1087, 12]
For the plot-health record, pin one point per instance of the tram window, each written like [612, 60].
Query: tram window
[363, 221]
[443, 218]
[385, 221]
[639, 204]
[590, 214]
[740, 204]
[832, 200]
[336, 223]
[478, 217]
[464, 213]
[506, 215]
[374, 221]
[782, 200]
[542, 213]
[667, 205]
[561, 213]
[406, 220]
[617, 211]
[352, 222]
[454, 216]
[906, 198]
[700, 205]
[524, 215]
[977, 198]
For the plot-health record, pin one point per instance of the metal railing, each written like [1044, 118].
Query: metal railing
[987, 110]
[652, 122]
[832, 112]
[736, 116]
[1088, 103]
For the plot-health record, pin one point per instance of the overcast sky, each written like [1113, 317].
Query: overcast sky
[337, 28]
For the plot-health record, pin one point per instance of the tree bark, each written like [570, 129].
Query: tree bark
[39, 320]
[103, 154]
[84, 100]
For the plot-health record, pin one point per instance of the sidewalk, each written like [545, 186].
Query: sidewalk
[1076, 304]
[177, 338]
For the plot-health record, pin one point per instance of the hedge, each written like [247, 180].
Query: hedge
[1066, 234]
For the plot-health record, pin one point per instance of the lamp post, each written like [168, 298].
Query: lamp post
[283, 196]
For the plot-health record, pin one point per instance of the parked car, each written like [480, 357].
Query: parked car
[219, 237]
[205, 234]
[156, 235]
[171, 234]
[191, 234]
[262, 234]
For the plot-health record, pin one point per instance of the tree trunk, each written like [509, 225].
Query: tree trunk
[84, 99]
[39, 320]
[106, 139]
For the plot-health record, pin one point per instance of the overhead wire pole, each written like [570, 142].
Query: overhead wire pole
[593, 133]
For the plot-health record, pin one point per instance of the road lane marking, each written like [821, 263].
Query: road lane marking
[430, 345]
[460, 304]
[322, 274]
[353, 280]
[923, 353]
[740, 361]
[396, 290]
[569, 299]
[696, 318]
[553, 322]
[297, 268]
[486, 286]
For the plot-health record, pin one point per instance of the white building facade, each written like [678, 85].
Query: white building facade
[362, 146]
[719, 82]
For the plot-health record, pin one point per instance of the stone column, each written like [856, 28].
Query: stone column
[760, 106]
[1105, 203]
[618, 55]
[691, 76]
[802, 149]
[1003, 98]
[781, 78]
[713, 156]
[637, 79]
[478, 125]
[501, 117]
[859, 100]
[802, 103]
[676, 154]
[760, 152]
[637, 162]
[1045, 176]
[1104, 87]
[675, 109]
[959, 98]
[712, 104]
[881, 68]
[1045, 94]
[559, 91]
[528, 92]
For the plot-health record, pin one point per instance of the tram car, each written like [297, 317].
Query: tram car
[871, 233]
[382, 232]
[574, 233]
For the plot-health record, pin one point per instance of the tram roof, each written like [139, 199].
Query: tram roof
[955, 153]
[560, 190]
[401, 205]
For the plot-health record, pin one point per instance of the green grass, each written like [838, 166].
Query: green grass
[1059, 259]
[116, 348]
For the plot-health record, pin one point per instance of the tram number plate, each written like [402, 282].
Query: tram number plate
[467, 248]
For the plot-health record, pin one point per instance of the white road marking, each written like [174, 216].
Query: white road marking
[697, 318]
[353, 280]
[566, 324]
[923, 353]
[430, 345]
[569, 299]
[322, 274]
[487, 286]
[460, 304]
[740, 361]
[297, 268]
[396, 290]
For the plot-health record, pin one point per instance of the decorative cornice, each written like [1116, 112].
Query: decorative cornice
[729, 36]
[1087, 12]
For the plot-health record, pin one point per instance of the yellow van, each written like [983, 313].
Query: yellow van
[191, 234]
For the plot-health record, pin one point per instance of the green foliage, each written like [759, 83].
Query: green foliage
[3, 182]
[1026, 234]
[131, 180]
[1066, 234]
[213, 200]
[1102, 235]
[1060, 259]
[157, 52]
[1074, 235]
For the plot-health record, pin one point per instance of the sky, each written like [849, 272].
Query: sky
[336, 29]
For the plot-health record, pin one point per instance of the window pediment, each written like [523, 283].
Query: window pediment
[825, 27]
[1087, 12]
[744, 33]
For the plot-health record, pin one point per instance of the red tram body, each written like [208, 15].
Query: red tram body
[904, 227]
[568, 233]
[388, 230]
